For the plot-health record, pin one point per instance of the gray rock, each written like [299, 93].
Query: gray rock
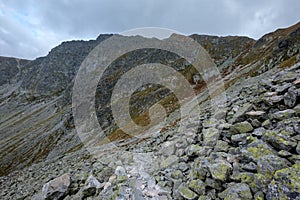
[176, 174]
[284, 153]
[213, 183]
[290, 99]
[237, 191]
[257, 149]
[239, 137]
[266, 124]
[259, 132]
[242, 127]
[255, 123]
[168, 148]
[250, 166]
[222, 146]
[91, 187]
[169, 161]
[298, 148]
[212, 122]
[57, 188]
[241, 113]
[281, 115]
[256, 114]
[120, 171]
[197, 150]
[273, 100]
[283, 88]
[210, 136]
[220, 114]
[287, 77]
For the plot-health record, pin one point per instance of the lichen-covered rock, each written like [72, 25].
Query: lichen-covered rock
[267, 165]
[242, 127]
[280, 140]
[57, 188]
[186, 193]
[257, 149]
[286, 184]
[237, 191]
[220, 170]
[197, 186]
[91, 187]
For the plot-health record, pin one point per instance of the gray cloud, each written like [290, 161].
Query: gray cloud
[30, 29]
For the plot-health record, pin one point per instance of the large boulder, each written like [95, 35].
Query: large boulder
[237, 191]
[220, 170]
[57, 188]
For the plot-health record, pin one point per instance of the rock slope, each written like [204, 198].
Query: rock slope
[248, 150]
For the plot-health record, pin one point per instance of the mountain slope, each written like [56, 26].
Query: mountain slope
[37, 128]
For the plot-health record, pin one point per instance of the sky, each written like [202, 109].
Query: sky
[31, 28]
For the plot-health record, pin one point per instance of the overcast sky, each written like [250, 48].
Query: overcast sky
[30, 28]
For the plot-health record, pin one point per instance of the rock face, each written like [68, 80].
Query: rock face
[10, 69]
[249, 150]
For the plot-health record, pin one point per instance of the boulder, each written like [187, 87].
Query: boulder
[268, 164]
[91, 187]
[186, 193]
[242, 127]
[197, 186]
[197, 150]
[257, 149]
[241, 113]
[169, 161]
[281, 115]
[220, 170]
[57, 188]
[237, 191]
[280, 140]
[210, 136]
[290, 99]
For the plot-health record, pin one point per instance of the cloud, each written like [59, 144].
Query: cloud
[30, 29]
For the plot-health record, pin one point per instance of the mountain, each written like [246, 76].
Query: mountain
[247, 148]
